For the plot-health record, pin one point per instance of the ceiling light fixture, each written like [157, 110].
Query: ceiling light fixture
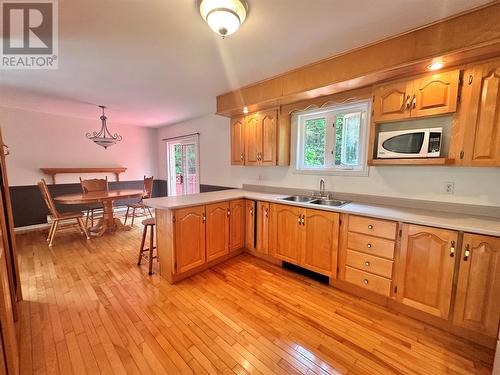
[224, 16]
[104, 138]
[436, 65]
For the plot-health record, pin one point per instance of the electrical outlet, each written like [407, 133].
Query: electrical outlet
[449, 187]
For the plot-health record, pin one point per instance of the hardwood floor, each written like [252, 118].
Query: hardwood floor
[89, 309]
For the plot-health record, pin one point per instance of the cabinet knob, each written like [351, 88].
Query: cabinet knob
[408, 102]
[365, 281]
[369, 245]
[228, 212]
[241, 156]
[367, 264]
[414, 101]
[467, 252]
[452, 249]
[251, 211]
[370, 226]
[6, 150]
[266, 212]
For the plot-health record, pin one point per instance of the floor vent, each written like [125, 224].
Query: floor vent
[302, 271]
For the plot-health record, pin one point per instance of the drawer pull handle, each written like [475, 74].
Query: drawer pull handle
[365, 281]
[370, 226]
[369, 245]
[367, 264]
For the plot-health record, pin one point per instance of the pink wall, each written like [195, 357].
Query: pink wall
[38, 140]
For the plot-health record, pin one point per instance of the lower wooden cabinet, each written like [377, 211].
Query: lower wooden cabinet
[262, 243]
[425, 269]
[306, 237]
[217, 230]
[250, 225]
[285, 232]
[189, 238]
[477, 303]
[319, 241]
[237, 224]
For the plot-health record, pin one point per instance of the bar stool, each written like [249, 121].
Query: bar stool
[148, 223]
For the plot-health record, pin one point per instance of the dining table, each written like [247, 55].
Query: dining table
[108, 223]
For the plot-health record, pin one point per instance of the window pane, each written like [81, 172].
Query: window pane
[339, 127]
[314, 142]
[350, 139]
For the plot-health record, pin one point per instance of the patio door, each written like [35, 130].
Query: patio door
[183, 165]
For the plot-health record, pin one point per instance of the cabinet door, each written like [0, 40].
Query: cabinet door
[320, 242]
[253, 140]
[262, 227]
[237, 225]
[268, 123]
[436, 94]
[238, 141]
[250, 225]
[425, 269]
[391, 102]
[482, 119]
[217, 230]
[189, 241]
[477, 305]
[285, 232]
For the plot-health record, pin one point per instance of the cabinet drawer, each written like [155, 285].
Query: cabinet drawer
[370, 245]
[368, 281]
[373, 227]
[369, 263]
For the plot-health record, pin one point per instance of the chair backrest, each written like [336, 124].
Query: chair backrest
[148, 187]
[42, 185]
[94, 184]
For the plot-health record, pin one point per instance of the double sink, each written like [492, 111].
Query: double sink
[316, 201]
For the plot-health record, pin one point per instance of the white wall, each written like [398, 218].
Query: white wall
[38, 140]
[472, 185]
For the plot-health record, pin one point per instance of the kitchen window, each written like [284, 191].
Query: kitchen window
[333, 140]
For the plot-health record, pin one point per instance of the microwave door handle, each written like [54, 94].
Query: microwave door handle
[424, 151]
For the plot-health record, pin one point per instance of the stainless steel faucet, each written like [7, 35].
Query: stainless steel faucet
[322, 188]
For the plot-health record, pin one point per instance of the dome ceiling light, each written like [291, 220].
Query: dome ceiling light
[224, 16]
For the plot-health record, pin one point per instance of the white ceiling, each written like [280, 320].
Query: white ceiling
[156, 62]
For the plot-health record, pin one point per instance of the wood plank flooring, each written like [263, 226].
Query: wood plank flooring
[89, 309]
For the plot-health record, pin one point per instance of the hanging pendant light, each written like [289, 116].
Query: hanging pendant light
[224, 16]
[104, 138]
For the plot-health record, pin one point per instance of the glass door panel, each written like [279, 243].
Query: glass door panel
[183, 166]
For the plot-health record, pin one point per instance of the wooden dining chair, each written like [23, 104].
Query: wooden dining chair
[148, 193]
[56, 216]
[93, 185]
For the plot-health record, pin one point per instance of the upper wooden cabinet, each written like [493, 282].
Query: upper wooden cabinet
[261, 138]
[477, 305]
[238, 141]
[480, 116]
[189, 232]
[430, 95]
[237, 224]
[425, 269]
[306, 237]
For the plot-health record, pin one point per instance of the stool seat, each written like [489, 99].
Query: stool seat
[151, 221]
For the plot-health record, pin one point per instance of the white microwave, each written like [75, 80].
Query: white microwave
[412, 143]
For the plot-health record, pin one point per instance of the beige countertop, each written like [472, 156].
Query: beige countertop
[473, 224]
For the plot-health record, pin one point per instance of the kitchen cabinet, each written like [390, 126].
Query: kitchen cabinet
[480, 116]
[189, 232]
[366, 258]
[429, 95]
[285, 232]
[319, 241]
[262, 245]
[237, 224]
[425, 269]
[477, 303]
[238, 140]
[250, 225]
[217, 230]
[305, 237]
[260, 138]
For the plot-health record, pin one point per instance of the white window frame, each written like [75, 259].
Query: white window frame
[330, 113]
